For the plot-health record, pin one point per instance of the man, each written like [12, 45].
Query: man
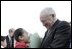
[58, 32]
[10, 39]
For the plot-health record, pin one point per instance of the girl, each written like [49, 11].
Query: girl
[21, 37]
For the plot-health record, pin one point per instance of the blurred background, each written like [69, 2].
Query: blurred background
[26, 15]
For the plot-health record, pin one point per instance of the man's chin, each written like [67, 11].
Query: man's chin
[47, 28]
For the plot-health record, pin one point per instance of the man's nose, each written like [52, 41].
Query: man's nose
[44, 24]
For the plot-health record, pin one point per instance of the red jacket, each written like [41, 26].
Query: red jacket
[20, 44]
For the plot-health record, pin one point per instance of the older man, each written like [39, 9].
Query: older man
[58, 32]
[10, 39]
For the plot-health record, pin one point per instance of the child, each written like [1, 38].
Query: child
[21, 37]
[3, 43]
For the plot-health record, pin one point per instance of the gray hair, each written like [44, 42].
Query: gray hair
[48, 11]
[11, 30]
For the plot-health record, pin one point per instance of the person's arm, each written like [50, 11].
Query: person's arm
[2, 47]
[14, 43]
[61, 38]
[5, 44]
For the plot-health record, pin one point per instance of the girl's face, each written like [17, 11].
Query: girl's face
[24, 37]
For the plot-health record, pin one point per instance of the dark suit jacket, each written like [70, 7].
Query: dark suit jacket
[58, 36]
[8, 42]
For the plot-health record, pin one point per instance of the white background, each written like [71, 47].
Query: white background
[26, 15]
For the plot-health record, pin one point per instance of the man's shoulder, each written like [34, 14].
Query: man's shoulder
[7, 37]
[64, 23]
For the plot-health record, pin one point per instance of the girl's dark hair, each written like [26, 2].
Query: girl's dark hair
[18, 32]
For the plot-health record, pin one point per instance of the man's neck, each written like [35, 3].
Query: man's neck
[54, 22]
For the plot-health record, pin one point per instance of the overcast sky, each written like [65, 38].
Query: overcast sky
[25, 14]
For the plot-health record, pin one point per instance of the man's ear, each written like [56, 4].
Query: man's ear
[53, 15]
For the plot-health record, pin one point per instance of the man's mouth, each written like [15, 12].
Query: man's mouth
[46, 25]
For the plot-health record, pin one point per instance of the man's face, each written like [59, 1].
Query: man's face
[11, 34]
[46, 21]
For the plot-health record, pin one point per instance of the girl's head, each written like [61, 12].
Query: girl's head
[21, 35]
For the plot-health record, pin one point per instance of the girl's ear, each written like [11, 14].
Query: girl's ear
[20, 37]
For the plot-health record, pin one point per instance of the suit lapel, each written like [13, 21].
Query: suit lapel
[48, 34]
